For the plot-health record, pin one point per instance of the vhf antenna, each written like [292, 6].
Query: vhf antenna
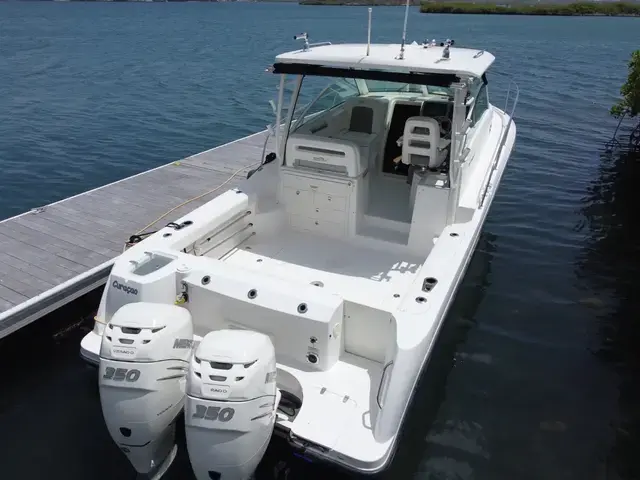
[404, 31]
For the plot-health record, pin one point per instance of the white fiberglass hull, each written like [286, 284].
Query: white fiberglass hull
[375, 328]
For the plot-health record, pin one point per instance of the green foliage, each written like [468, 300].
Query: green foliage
[570, 9]
[629, 104]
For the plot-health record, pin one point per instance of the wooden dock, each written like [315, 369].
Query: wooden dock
[50, 256]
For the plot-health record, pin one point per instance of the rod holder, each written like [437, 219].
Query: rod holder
[303, 36]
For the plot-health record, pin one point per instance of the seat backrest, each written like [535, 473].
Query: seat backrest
[332, 155]
[361, 120]
[420, 142]
[365, 114]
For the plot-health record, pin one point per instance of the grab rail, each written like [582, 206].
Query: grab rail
[229, 237]
[382, 385]
[237, 245]
[483, 193]
[205, 239]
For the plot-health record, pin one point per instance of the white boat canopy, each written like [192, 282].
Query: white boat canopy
[416, 59]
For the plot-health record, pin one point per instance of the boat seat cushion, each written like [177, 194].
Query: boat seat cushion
[421, 144]
[332, 155]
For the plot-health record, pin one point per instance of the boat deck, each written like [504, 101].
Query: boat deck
[363, 275]
[51, 255]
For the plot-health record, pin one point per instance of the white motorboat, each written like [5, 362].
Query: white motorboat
[307, 301]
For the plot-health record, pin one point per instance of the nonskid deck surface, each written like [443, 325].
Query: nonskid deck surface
[339, 407]
[360, 274]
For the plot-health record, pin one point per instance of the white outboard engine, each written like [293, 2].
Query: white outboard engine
[144, 360]
[231, 404]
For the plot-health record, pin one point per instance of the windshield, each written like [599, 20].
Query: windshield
[317, 96]
[381, 86]
[374, 86]
[322, 94]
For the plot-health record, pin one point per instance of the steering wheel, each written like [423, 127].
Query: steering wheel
[445, 125]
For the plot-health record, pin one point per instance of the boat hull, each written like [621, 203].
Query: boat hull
[418, 323]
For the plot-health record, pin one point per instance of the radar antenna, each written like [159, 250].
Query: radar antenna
[404, 31]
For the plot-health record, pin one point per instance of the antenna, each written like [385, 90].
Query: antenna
[369, 33]
[404, 31]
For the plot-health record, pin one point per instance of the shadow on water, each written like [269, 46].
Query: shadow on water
[51, 423]
[610, 266]
[49, 407]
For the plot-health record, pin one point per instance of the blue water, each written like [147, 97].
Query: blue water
[536, 376]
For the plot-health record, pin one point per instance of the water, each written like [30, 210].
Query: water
[536, 371]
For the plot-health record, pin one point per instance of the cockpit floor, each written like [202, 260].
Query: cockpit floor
[358, 273]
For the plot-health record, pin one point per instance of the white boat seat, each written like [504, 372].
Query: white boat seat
[331, 155]
[421, 143]
[360, 129]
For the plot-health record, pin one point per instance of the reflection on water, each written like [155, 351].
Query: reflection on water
[610, 265]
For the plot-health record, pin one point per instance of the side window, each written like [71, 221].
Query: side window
[481, 106]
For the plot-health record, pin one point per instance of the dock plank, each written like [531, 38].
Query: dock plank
[51, 255]
[35, 256]
[8, 295]
[49, 273]
[11, 277]
[37, 239]
[40, 222]
[241, 156]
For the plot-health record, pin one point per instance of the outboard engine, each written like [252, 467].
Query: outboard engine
[144, 360]
[231, 404]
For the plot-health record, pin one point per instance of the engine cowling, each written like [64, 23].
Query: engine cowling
[144, 359]
[231, 404]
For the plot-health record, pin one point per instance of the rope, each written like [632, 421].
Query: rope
[142, 232]
[238, 171]
[257, 164]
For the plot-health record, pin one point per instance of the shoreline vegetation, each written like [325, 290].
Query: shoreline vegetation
[628, 106]
[609, 9]
[629, 103]
[588, 8]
